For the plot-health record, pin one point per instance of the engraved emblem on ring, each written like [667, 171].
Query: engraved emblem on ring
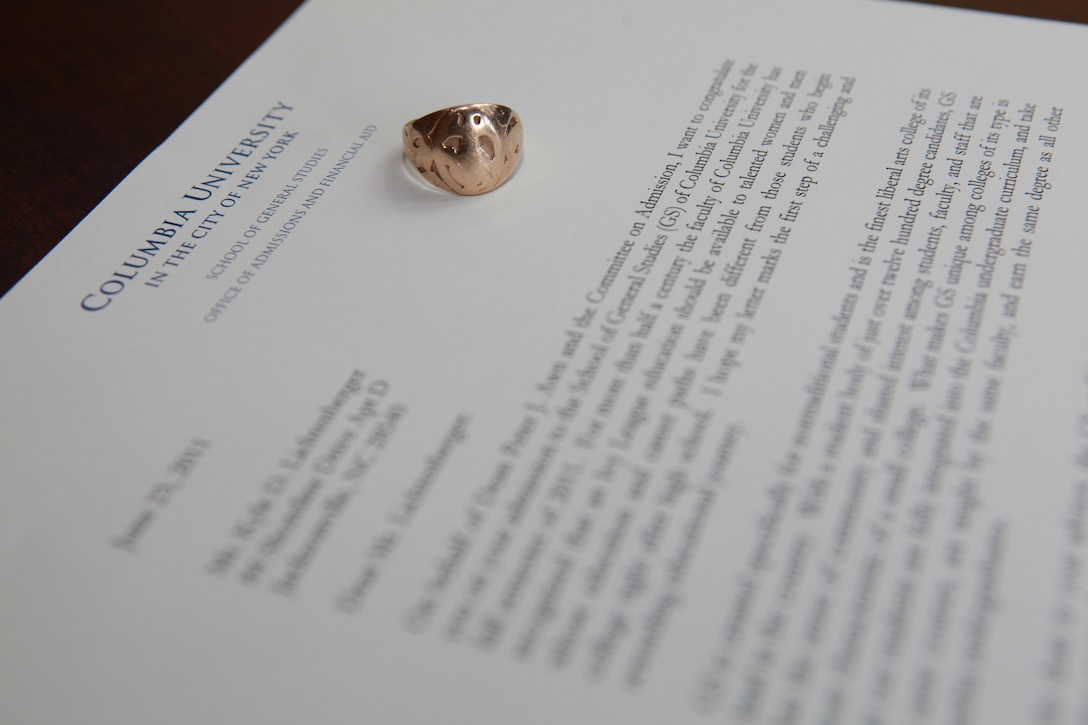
[469, 150]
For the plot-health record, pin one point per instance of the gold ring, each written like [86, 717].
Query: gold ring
[468, 150]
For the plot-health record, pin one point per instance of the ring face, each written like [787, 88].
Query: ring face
[468, 150]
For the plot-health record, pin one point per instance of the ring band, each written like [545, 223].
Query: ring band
[468, 150]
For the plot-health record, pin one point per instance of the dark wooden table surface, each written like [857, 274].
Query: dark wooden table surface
[89, 89]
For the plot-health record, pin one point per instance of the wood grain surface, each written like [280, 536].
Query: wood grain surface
[89, 89]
